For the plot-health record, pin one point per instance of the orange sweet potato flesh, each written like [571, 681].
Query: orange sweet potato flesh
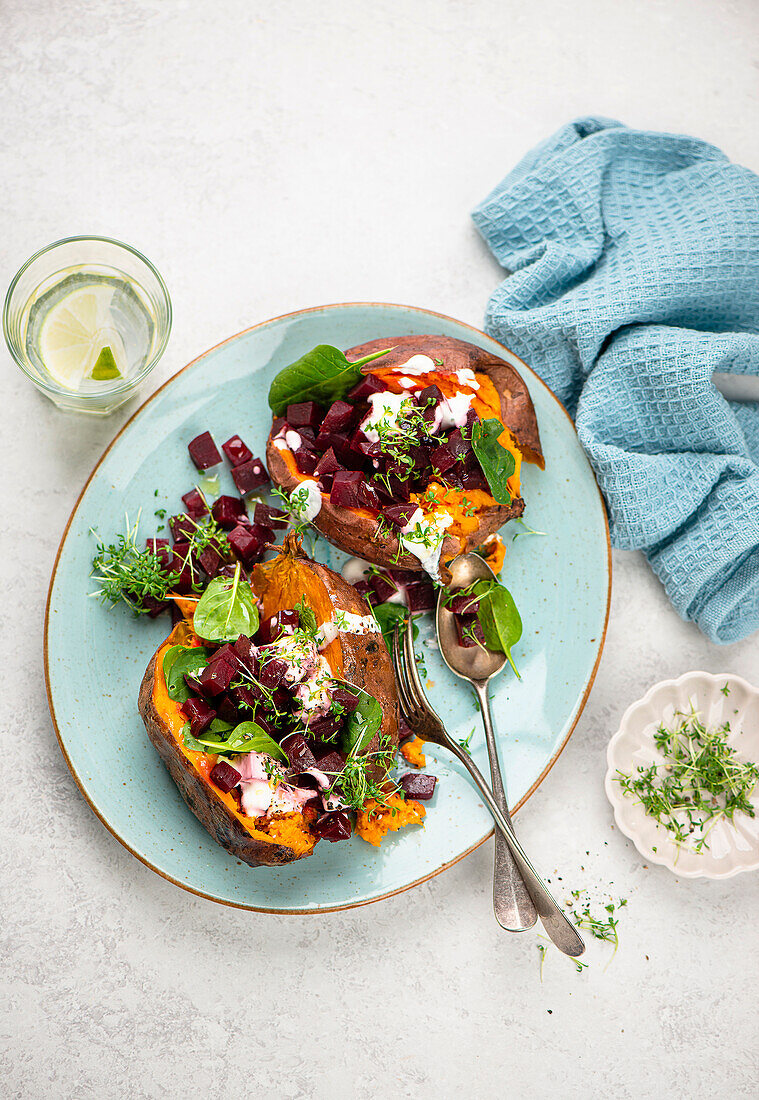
[502, 394]
[359, 659]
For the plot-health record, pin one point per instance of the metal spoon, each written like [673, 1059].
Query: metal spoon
[513, 907]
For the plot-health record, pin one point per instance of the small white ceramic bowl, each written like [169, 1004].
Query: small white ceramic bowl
[732, 847]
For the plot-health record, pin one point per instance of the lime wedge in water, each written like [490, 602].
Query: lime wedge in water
[76, 334]
[105, 367]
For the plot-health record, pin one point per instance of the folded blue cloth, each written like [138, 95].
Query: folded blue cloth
[634, 261]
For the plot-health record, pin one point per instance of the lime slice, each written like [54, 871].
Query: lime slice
[75, 334]
[105, 367]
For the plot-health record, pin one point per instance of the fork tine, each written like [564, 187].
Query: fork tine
[416, 691]
[400, 674]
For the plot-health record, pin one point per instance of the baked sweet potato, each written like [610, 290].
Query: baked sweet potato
[461, 492]
[354, 654]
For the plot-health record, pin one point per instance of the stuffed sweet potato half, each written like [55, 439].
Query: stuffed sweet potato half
[273, 706]
[417, 461]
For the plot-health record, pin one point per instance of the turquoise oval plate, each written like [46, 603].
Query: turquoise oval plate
[95, 657]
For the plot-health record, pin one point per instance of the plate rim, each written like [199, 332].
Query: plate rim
[549, 765]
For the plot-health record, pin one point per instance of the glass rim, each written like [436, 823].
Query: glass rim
[127, 385]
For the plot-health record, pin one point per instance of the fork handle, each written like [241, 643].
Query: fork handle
[513, 907]
[560, 930]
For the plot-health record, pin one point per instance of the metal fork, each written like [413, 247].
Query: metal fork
[424, 722]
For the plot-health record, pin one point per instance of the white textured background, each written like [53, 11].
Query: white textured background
[269, 156]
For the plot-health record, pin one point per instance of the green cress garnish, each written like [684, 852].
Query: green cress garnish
[323, 375]
[700, 782]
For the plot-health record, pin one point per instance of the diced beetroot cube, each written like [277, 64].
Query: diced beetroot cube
[428, 399]
[270, 517]
[306, 460]
[272, 671]
[443, 458]
[399, 514]
[323, 729]
[308, 435]
[404, 730]
[250, 475]
[203, 451]
[182, 528]
[345, 698]
[277, 424]
[400, 487]
[195, 505]
[227, 710]
[227, 511]
[368, 385]
[459, 446]
[333, 827]
[350, 490]
[469, 631]
[199, 713]
[245, 651]
[464, 605]
[304, 413]
[210, 561]
[225, 776]
[474, 479]
[161, 549]
[338, 417]
[236, 451]
[404, 576]
[384, 587]
[153, 606]
[331, 764]
[284, 622]
[248, 696]
[246, 544]
[339, 443]
[471, 418]
[363, 446]
[327, 467]
[364, 588]
[216, 678]
[420, 786]
[298, 753]
[346, 488]
[420, 596]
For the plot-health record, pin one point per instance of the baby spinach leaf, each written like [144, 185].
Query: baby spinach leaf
[500, 620]
[389, 615]
[177, 661]
[497, 463]
[226, 610]
[362, 725]
[322, 374]
[242, 738]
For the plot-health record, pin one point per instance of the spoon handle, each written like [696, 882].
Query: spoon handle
[513, 907]
[559, 928]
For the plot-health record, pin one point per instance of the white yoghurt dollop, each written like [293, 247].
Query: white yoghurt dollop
[306, 501]
[383, 412]
[423, 536]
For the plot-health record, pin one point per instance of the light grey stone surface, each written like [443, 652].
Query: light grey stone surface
[269, 156]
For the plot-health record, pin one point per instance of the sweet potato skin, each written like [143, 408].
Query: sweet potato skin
[358, 532]
[215, 817]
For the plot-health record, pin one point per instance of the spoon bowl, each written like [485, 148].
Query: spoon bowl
[473, 663]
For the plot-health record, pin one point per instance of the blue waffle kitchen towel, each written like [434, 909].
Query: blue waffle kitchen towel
[634, 260]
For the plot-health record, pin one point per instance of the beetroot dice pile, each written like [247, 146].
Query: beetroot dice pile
[329, 446]
[197, 555]
[248, 680]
